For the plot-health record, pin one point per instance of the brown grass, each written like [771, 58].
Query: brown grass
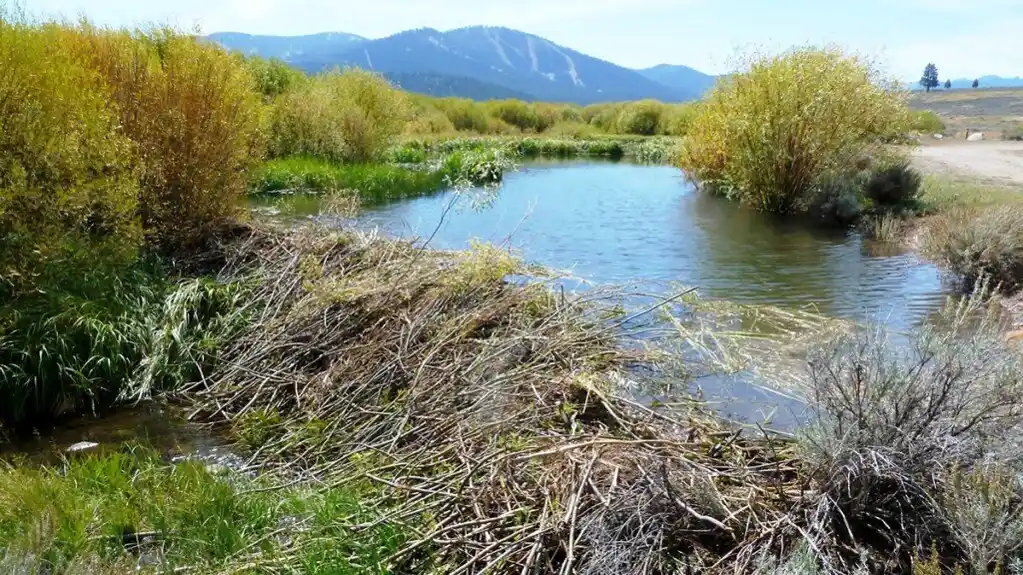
[492, 421]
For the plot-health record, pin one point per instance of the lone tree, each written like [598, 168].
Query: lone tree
[976, 83]
[930, 77]
[948, 84]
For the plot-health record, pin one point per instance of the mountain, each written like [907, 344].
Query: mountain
[681, 78]
[989, 82]
[444, 86]
[287, 48]
[500, 58]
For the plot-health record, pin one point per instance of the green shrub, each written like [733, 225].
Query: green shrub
[676, 119]
[349, 116]
[1015, 133]
[895, 185]
[979, 243]
[640, 118]
[273, 77]
[769, 136]
[515, 113]
[68, 189]
[927, 122]
[464, 114]
[193, 114]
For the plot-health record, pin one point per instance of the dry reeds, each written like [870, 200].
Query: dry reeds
[489, 420]
[485, 412]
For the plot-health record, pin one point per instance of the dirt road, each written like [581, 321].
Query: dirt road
[996, 162]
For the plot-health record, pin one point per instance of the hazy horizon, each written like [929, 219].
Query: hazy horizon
[965, 38]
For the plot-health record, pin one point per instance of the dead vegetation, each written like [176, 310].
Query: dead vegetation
[490, 419]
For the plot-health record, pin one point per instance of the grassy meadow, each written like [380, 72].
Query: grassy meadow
[411, 411]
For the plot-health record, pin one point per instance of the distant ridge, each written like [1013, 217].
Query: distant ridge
[481, 63]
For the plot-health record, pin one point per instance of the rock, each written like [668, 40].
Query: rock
[975, 137]
[938, 136]
[82, 446]
[1014, 337]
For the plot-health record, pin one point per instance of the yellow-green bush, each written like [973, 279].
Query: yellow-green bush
[928, 122]
[676, 119]
[351, 116]
[192, 111]
[464, 114]
[770, 135]
[516, 113]
[640, 118]
[273, 77]
[68, 187]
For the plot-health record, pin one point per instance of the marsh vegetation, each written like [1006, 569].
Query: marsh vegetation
[410, 410]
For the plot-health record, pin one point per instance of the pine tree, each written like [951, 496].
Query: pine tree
[948, 84]
[976, 83]
[930, 78]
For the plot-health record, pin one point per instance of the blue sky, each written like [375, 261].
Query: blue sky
[966, 38]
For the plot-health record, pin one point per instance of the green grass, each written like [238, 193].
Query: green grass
[76, 517]
[941, 194]
[375, 182]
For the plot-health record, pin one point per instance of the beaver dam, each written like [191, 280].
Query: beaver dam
[491, 426]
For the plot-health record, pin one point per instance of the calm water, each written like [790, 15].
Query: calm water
[645, 227]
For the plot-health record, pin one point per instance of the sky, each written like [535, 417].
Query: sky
[965, 38]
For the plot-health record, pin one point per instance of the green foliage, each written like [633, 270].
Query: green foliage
[374, 182]
[896, 185]
[349, 116]
[1015, 133]
[771, 136]
[273, 77]
[68, 187]
[465, 115]
[191, 110]
[54, 520]
[640, 118]
[517, 113]
[930, 77]
[927, 122]
[978, 244]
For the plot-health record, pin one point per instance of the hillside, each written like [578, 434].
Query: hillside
[682, 78]
[287, 48]
[444, 86]
[487, 62]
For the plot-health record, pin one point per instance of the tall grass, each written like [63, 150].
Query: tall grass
[979, 243]
[770, 136]
[118, 512]
[374, 182]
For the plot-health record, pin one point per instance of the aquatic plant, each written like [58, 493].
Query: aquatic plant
[375, 182]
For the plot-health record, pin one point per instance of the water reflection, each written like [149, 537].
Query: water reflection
[645, 226]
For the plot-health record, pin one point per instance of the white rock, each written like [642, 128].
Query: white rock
[938, 136]
[975, 137]
[82, 446]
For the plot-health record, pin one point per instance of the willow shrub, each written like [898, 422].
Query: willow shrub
[640, 118]
[342, 116]
[770, 136]
[68, 188]
[194, 115]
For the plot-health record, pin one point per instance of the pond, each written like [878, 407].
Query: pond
[644, 226]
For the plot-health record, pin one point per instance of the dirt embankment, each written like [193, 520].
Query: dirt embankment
[994, 162]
